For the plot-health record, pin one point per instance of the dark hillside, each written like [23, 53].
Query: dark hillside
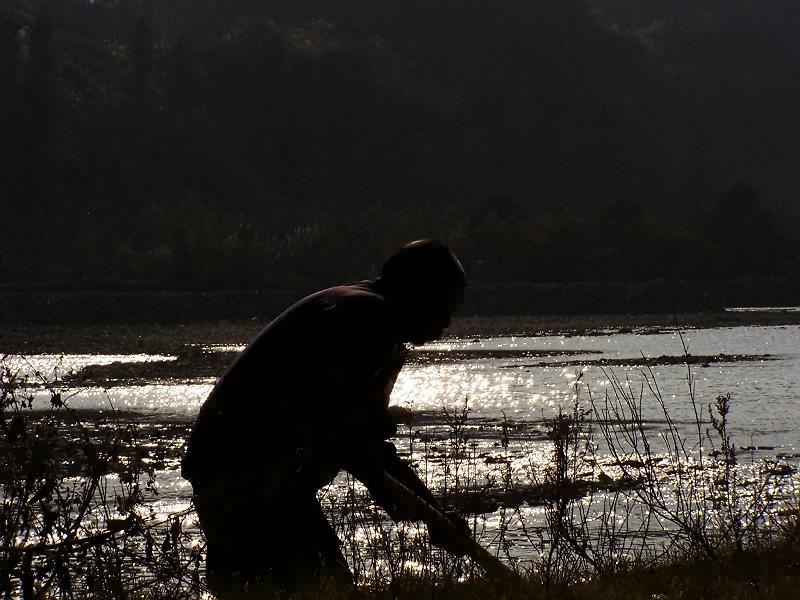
[242, 143]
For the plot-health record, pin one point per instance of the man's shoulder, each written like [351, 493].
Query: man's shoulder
[358, 295]
[350, 305]
[358, 302]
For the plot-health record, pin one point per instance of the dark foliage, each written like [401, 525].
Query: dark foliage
[245, 143]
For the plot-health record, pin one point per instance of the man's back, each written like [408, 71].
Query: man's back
[314, 378]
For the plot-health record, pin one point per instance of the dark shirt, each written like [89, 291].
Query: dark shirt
[306, 398]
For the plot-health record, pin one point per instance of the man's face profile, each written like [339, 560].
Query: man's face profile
[428, 315]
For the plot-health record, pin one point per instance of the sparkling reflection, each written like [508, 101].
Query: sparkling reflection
[56, 366]
[508, 404]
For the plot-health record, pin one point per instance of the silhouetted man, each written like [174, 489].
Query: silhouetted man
[307, 398]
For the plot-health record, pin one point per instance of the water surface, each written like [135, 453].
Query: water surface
[495, 396]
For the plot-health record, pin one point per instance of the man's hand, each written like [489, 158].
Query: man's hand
[453, 535]
[404, 509]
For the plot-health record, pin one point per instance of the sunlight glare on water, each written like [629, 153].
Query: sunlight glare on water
[53, 366]
[434, 387]
[220, 347]
[509, 394]
[764, 392]
[179, 400]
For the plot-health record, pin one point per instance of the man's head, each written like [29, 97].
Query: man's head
[424, 282]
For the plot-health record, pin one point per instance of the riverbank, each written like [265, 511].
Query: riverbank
[173, 338]
[45, 306]
[767, 572]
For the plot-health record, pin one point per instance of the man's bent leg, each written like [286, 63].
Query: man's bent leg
[229, 551]
[311, 550]
[253, 540]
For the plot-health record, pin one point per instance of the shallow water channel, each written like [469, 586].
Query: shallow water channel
[478, 411]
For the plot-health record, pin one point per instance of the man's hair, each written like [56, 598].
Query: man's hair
[427, 264]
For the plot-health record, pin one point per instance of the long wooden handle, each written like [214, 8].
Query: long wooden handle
[487, 561]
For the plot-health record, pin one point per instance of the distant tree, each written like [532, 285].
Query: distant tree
[744, 233]
[41, 67]
[9, 53]
[142, 53]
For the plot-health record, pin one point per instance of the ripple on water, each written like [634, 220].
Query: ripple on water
[181, 400]
[764, 416]
[55, 366]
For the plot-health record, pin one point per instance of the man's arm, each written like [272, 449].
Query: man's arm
[369, 465]
[382, 471]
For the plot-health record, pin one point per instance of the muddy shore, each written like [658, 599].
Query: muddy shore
[174, 338]
[43, 306]
[197, 365]
[41, 320]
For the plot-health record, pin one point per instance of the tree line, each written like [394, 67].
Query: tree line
[170, 143]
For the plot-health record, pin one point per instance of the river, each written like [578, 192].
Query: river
[493, 400]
